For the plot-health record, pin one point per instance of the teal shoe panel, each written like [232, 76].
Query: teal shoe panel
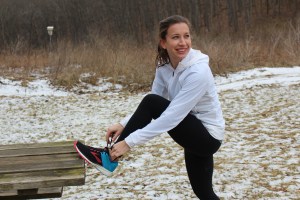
[107, 163]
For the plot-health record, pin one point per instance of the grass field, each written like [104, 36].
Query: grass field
[259, 158]
[275, 43]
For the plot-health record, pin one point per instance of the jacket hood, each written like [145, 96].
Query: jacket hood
[193, 57]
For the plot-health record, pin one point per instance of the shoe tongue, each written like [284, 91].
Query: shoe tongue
[105, 149]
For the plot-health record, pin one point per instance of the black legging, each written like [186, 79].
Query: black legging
[199, 146]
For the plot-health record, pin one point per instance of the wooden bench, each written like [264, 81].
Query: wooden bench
[39, 170]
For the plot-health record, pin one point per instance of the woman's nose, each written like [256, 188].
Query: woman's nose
[182, 41]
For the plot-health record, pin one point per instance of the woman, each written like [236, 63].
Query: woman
[183, 102]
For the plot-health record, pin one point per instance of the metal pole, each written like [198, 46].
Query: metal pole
[50, 43]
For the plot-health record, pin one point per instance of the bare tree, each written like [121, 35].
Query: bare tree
[75, 20]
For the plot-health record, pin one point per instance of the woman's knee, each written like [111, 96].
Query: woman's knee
[154, 99]
[149, 98]
[155, 104]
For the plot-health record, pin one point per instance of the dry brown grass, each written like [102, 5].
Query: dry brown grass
[267, 44]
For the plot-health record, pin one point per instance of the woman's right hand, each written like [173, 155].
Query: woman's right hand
[114, 131]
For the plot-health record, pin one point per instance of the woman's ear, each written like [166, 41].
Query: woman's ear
[162, 44]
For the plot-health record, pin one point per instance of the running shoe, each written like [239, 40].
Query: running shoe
[97, 157]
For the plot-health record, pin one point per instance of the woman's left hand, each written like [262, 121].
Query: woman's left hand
[119, 149]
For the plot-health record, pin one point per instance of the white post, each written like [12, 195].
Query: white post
[50, 33]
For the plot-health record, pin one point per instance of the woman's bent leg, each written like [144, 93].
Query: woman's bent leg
[190, 133]
[199, 145]
[151, 107]
[193, 136]
[200, 172]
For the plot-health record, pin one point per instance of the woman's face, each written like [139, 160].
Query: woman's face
[177, 43]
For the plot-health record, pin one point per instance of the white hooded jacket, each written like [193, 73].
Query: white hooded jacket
[191, 89]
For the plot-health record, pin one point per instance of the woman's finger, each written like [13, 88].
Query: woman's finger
[108, 133]
[115, 136]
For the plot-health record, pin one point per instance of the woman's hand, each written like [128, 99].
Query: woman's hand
[119, 149]
[114, 131]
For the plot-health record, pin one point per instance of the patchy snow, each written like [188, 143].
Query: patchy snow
[35, 88]
[259, 158]
[262, 76]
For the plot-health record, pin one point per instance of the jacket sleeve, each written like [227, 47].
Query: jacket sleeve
[194, 86]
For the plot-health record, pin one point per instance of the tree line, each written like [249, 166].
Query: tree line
[24, 22]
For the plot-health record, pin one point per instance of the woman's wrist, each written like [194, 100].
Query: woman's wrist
[129, 143]
[120, 124]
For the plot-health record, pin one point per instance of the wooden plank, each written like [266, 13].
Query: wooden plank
[48, 166]
[28, 191]
[36, 151]
[41, 158]
[36, 145]
[40, 166]
[42, 179]
[53, 192]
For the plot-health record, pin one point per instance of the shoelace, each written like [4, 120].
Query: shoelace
[110, 143]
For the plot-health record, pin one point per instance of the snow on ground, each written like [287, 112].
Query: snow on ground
[259, 158]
